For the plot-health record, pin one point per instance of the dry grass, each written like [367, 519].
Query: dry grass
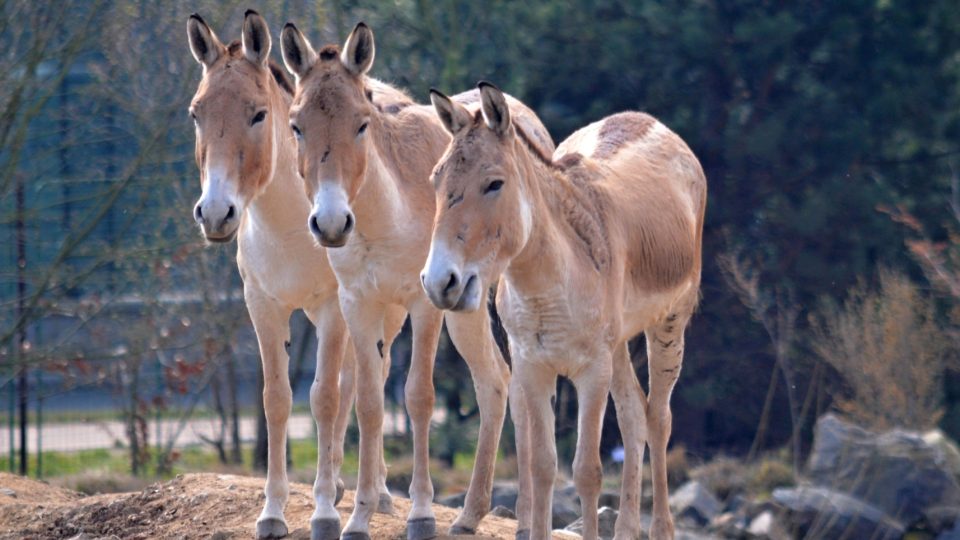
[891, 351]
[724, 476]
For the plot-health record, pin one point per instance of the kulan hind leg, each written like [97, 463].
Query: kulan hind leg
[665, 350]
[631, 404]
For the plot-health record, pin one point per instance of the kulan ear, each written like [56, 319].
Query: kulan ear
[493, 105]
[454, 116]
[204, 45]
[298, 55]
[256, 38]
[358, 51]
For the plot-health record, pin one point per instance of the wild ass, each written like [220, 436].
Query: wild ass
[591, 247]
[367, 172]
[252, 192]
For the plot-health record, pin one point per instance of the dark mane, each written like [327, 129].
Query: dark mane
[533, 147]
[329, 52]
[235, 50]
[283, 80]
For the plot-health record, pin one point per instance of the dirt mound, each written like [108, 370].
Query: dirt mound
[190, 506]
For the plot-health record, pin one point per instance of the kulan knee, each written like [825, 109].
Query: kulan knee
[659, 419]
[587, 473]
[324, 402]
[544, 466]
[277, 400]
[420, 402]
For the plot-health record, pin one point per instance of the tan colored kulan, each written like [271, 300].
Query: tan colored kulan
[591, 246]
[366, 169]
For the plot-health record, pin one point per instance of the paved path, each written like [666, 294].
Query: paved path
[67, 437]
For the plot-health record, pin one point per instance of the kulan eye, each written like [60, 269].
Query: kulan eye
[193, 116]
[296, 131]
[258, 118]
[363, 128]
[493, 187]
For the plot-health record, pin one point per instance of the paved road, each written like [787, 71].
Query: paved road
[91, 435]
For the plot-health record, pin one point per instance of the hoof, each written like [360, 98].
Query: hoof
[271, 528]
[355, 536]
[385, 504]
[340, 490]
[457, 530]
[421, 528]
[523, 534]
[325, 529]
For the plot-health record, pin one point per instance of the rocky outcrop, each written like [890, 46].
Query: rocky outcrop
[817, 512]
[900, 472]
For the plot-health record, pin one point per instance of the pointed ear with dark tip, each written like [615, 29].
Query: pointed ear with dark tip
[493, 105]
[358, 51]
[204, 45]
[454, 116]
[256, 38]
[298, 55]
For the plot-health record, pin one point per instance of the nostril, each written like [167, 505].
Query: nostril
[348, 226]
[452, 282]
[315, 226]
[231, 211]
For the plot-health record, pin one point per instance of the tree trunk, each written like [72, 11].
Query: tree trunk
[260, 445]
[236, 456]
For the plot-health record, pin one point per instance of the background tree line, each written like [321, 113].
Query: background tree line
[829, 132]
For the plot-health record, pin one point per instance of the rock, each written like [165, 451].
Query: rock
[566, 506]
[817, 512]
[729, 525]
[609, 498]
[767, 527]
[694, 502]
[900, 472]
[8, 492]
[606, 518]
[936, 520]
[453, 501]
[504, 512]
[951, 534]
[505, 494]
[566, 503]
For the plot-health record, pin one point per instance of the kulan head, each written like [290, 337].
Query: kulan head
[483, 217]
[330, 116]
[235, 146]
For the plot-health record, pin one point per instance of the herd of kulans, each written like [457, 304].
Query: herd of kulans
[361, 207]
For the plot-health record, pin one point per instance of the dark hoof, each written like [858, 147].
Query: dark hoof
[523, 534]
[385, 504]
[325, 529]
[355, 536]
[271, 528]
[421, 528]
[340, 490]
[457, 530]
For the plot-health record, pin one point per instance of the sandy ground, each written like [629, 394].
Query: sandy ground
[212, 506]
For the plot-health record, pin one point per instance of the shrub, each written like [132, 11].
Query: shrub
[890, 350]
